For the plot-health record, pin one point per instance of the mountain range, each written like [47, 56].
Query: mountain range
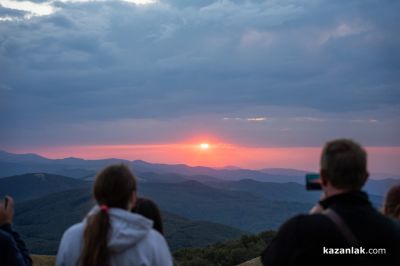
[200, 205]
[18, 164]
[247, 209]
[42, 221]
[194, 214]
[15, 164]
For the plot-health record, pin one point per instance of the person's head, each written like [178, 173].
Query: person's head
[391, 206]
[343, 166]
[149, 209]
[114, 187]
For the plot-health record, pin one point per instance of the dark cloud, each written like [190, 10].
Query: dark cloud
[104, 61]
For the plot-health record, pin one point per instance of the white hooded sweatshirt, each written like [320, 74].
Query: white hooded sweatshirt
[133, 241]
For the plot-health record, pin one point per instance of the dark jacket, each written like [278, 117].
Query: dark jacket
[301, 240]
[13, 251]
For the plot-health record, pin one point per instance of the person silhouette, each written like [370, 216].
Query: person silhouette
[13, 250]
[391, 206]
[343, 222]
[111, 234]
[150, 210]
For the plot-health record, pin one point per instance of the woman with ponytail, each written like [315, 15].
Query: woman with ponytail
[111, 235]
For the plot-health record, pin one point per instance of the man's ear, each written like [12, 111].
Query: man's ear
[324, 177]
[365, 178]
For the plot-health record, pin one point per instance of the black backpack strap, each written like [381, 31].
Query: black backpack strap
[344, 229]
[347, 233]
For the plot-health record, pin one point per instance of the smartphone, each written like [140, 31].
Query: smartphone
[313, 181]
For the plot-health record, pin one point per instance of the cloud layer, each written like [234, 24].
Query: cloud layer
[103, 63]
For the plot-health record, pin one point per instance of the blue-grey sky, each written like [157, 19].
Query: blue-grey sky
[251, 72]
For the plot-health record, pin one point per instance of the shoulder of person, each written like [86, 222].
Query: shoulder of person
[153, 244]
[305, 222]
[304, 219]
[73, 232]
[5, 237]
[396, 226]
[154, 238]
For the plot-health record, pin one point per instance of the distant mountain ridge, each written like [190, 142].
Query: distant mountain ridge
[35, 185]
[26, 157]
[284, 171]
[222, 174]
[15, 164]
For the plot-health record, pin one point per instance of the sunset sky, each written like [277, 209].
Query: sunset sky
[264, 83]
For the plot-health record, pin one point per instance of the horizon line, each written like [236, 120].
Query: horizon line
[224, 167]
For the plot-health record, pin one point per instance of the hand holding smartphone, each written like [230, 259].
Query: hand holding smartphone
[5, 202]
[7, 210]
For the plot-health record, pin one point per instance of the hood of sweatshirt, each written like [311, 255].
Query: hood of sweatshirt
[127, 228]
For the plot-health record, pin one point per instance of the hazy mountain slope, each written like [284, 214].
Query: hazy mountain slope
[284, 171]
[22, 158]
[248, 211]
[42, 222]
[223, 174]
[17, 164]
[380, 187]
[12, 168]
[35, 185]
[235, 208]
[181, 232]
[271, 191]
[290, 192]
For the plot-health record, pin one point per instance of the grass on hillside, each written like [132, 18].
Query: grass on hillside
[228, 253]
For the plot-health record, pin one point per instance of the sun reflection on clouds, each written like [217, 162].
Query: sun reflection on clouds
[248, 119]
[142, 2]
[137, 2]
[35, 9]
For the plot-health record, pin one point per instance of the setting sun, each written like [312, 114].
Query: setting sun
[204, 146]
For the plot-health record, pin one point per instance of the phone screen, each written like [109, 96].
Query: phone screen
[313, 182]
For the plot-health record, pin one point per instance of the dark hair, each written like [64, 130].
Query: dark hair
[392, 202]
[113, 187]
[149, 209]
[345, 164]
